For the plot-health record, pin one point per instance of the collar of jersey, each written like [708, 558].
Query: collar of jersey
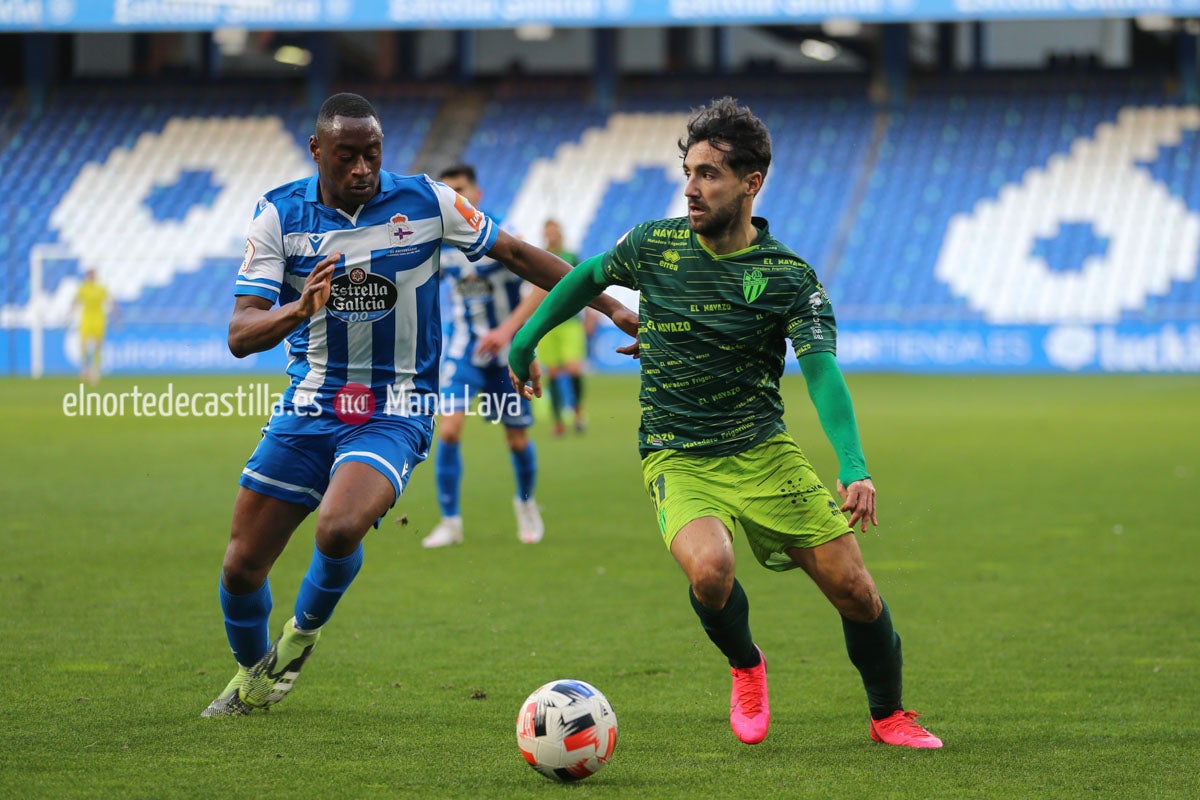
[757, 222]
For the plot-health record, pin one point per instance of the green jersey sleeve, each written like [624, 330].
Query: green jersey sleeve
[621, 262]
[810, 322]
[569, 296]
[831, 398]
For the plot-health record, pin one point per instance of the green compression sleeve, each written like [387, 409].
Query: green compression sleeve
[831, 398]
[570, 295]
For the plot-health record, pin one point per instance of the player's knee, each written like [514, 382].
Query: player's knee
[856, 598]
[339, 533]
[243, 569]
[712, 581]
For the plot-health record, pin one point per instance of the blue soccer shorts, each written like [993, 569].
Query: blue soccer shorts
[462, 381]
[298, 455]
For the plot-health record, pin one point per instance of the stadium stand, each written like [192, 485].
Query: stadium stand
[981, 199]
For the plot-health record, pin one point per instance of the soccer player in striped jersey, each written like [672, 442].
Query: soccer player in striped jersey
[342, 267]
[488, 303]
[720, 296]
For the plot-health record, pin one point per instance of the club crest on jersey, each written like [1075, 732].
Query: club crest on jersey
[398, 228]
[753, 284]
[361, 296]
[472, 215]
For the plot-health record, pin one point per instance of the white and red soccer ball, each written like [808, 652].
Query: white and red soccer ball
[566, 730]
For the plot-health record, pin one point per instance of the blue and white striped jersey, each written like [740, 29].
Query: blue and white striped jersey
[381, 326]
[482, 294]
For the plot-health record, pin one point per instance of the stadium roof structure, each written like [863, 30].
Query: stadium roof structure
[161, 15]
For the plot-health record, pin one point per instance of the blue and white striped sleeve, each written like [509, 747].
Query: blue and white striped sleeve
[261, 273]
[464, 226]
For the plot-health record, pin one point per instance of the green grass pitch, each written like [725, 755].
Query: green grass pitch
[1038, 546]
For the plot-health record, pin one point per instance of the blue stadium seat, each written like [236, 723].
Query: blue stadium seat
[867, 195]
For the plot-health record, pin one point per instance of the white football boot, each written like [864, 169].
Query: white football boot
[529, 520]
[447, 532]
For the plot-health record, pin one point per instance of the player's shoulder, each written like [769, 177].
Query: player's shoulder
[660, 227]
[668, 231]
[290, 192]
[770, 247]
[286, 201]
[418, 182]
[425, 184]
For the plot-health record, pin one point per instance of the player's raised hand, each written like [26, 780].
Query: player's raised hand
[859, 499]
[531, 388]
[318, 285]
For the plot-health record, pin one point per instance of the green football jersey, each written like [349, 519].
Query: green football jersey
[712, 333]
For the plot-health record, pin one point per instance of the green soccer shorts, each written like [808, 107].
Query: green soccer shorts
[770, 490]
[565, 344]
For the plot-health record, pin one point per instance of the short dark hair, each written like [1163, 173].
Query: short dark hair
[345, 104]
[735, 131]
[455, 170]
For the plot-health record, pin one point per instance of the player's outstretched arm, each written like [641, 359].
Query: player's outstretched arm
[256, 326]
[495, 340]
[566, 300]
[831, 398]
[545, 269]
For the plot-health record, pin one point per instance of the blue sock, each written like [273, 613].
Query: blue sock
[525, 469]
[449, 477]
[324, 584]
[246, 619]
[570, 397]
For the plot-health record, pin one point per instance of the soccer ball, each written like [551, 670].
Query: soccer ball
[566, 730]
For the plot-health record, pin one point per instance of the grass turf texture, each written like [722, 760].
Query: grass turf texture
[1038, 549]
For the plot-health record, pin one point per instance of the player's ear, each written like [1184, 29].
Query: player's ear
[754, 183]
[314, 148]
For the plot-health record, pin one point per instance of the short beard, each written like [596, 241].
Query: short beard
[718, 220]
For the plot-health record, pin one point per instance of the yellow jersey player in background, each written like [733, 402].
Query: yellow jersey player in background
[93, 301]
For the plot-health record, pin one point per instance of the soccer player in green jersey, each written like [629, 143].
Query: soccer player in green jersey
[719, 297]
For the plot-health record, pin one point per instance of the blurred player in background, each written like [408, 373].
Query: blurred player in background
[719, 298]
[344, 267]
[487, 306]
[93, 302]
[563, 351]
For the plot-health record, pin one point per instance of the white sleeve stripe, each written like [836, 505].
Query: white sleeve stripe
[372, 457]
[267, 287]
[483, 239]
[267, 281]
[291, 487]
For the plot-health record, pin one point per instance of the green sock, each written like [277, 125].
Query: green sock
[874, 649]
[729, 628]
